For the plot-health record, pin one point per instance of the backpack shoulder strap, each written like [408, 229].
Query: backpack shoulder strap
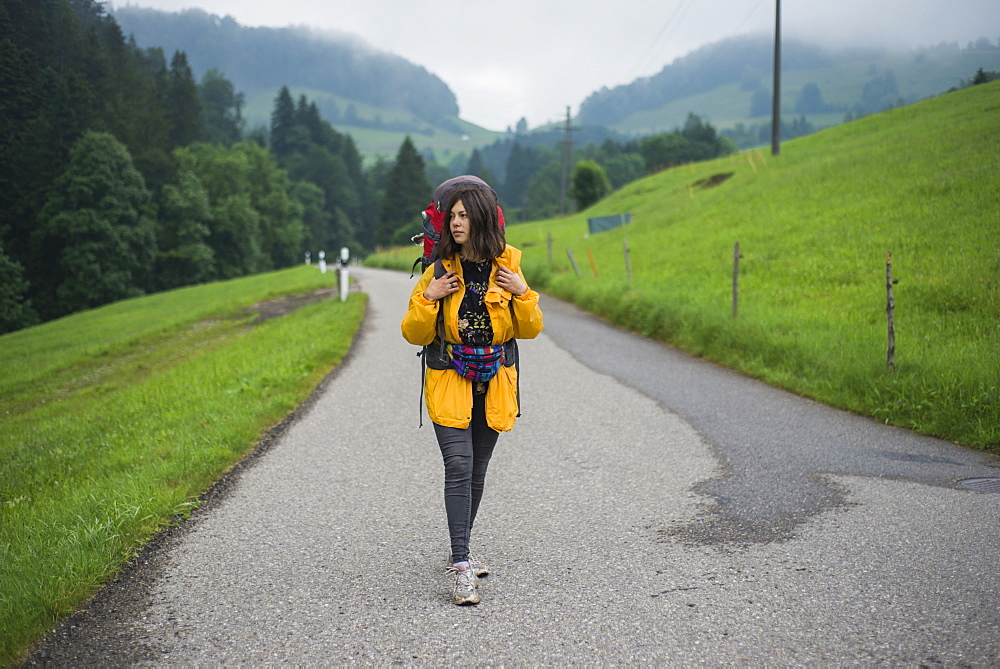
[439, 272]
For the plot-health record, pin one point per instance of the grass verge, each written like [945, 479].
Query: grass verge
[115, 420]
[814, 226]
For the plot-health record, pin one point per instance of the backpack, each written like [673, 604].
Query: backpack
[434, 217]
[436, 355]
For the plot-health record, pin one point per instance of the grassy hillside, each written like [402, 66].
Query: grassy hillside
[114, 420]
[919, 75]
[814, 226]
[446, 144]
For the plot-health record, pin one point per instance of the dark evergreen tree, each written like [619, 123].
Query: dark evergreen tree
[406, 195]
[282, 123]
[983, 77]
[307, 115]
[45, 105]
[542, 196]
[523, 164]
[478, 168]
[376, 177]
[311, 150]
[222, 107]
[148, 133]
[184, 116]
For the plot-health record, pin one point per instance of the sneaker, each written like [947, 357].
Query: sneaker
[478, 568]
[465, 586]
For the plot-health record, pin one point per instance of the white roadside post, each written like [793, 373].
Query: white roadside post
[343, 277]
[308, 257]
[322, 262]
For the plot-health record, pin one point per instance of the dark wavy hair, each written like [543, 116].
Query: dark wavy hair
[486, 237]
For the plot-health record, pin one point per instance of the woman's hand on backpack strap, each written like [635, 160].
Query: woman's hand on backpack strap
[441, 287]
[511, 281]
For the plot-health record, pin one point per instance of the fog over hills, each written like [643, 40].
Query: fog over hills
[260, 60]
[533, 58]
[379, 97]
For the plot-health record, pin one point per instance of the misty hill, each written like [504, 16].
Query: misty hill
[730, 82]
[268, 58]
[814, 225]
[375, 96]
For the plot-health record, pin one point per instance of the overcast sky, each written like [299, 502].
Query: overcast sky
[533, 58]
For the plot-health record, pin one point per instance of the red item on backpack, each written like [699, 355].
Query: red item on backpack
[434, 216]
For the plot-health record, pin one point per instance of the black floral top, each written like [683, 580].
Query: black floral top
[474, 324]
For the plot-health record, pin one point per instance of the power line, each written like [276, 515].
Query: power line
[722, 46]
[672, 21]
[776, 101]
[567, 155]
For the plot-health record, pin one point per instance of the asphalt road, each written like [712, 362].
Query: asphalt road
[649, 508]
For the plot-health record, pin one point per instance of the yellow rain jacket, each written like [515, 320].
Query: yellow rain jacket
[448, 395]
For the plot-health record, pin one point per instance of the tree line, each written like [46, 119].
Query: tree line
[537, 177]
[121, 175]
[264, 59]
[533, 173]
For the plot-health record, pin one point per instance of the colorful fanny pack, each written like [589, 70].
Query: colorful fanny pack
[477, 363]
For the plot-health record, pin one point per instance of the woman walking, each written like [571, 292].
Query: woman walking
[470, 306]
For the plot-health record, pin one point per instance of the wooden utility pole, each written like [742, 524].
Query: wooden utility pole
[890, 310]
[567, 155]
[736, 278]
[776, 102]
[628, 262]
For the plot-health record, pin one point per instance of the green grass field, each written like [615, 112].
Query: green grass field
[373, 143]
[918, 76]
[814, 226]
[115, 420]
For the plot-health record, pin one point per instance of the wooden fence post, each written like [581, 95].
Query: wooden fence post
[593, 264]
[890, 308]
[736, 278]
[628, 262]
[572, 261]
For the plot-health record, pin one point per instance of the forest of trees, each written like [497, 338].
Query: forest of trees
[264, 59]
[527, 169]
[121, 175]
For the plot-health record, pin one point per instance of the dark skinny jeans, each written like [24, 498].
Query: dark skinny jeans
[467, 454]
